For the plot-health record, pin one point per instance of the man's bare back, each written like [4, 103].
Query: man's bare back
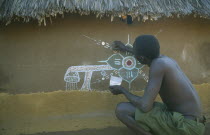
[176, 91]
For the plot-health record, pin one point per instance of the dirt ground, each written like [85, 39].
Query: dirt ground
[70, 112]
[105, 131]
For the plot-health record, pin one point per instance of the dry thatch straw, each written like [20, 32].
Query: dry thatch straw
[39, 9]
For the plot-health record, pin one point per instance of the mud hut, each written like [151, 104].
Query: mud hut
[40, 10]
[71, 27]
[50, 45]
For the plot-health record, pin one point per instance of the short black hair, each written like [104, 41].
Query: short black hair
[146, 45]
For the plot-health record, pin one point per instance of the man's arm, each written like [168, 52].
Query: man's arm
[118, 45]
[129, 49]
[145, 103]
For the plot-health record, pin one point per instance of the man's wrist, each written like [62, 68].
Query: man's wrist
[123, 90]
[128, 49]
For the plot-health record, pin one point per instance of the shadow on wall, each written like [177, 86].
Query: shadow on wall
[196, 62]
[4, 79]
[105, 131]
[204, 55]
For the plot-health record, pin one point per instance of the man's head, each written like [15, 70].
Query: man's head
[146, 48]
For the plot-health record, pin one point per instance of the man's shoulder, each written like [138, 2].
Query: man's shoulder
[164, 63]
[164, 60]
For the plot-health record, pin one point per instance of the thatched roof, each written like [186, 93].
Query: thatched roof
[40, 9]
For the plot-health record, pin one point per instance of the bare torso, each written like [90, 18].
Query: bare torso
[177, 91]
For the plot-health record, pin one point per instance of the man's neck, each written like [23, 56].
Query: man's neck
[150, 61]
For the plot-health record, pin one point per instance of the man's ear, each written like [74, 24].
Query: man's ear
[147, 58]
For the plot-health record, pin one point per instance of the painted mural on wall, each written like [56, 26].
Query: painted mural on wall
[122, 65]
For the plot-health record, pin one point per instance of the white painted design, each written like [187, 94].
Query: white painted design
[103, 73]
[144, 75]
[88, 70]
[184, 53]
[127, 67]
[129, 62]
[87, 80]
[158, 32]
[128, 44]
[72, 78]
[99, 42]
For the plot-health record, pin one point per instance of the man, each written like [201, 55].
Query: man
[180, 112]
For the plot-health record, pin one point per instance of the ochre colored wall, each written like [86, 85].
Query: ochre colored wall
[34, 58]
[70, 112]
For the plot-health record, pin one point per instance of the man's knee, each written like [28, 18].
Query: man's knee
[124, 108]
[119, 108]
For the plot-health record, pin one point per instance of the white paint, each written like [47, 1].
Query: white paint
[87, 80]
[144, 75]
[145, 17]
[158, 32]
[88, 70]
[116, 63]
[204, 75]
[184, 54]
[99, 42]
[128, 44]
[125, 64]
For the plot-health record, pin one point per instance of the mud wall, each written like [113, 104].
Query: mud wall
[34, 58]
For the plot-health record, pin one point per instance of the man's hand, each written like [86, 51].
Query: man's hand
[116, 89]
[118, 46]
